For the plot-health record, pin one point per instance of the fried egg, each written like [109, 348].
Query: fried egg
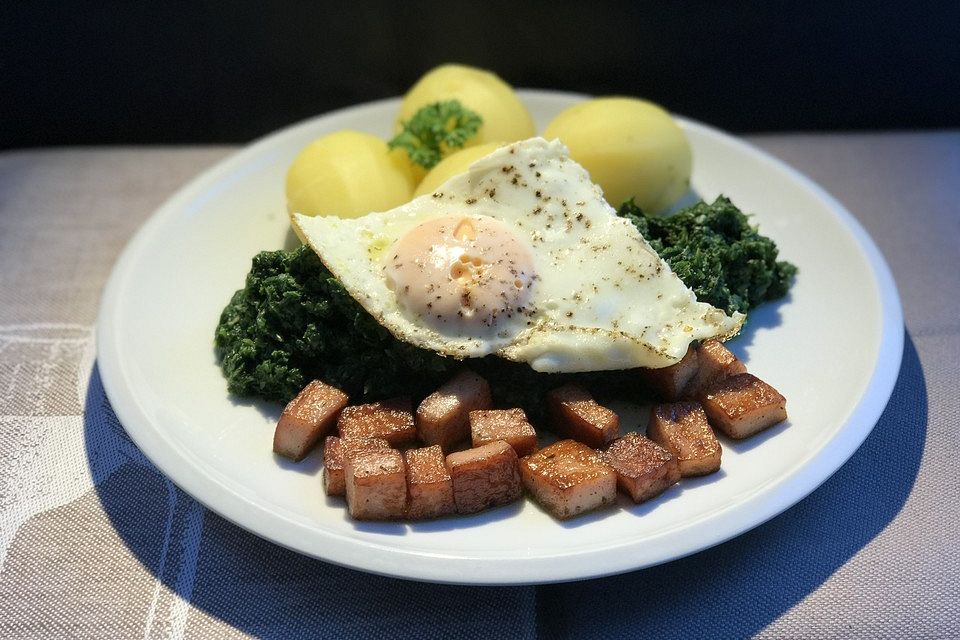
[521, 257]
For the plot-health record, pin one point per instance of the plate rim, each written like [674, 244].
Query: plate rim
[440, 568]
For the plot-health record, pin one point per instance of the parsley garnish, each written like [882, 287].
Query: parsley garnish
[434, 130]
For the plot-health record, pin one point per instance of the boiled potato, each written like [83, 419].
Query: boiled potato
[504, 116]
[348, 174]
[457, 162]
[632, 148]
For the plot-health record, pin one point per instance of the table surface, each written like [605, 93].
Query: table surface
[95, 542]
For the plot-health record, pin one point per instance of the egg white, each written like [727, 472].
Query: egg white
[603, 299]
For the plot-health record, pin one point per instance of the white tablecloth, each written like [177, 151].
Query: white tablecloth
[95, 542]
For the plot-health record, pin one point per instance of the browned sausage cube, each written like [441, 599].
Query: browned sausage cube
[443, 417]
[509, 425]
[429, 486]
[682, 429]
[743, 405]
[307, 418]
[714, 362]
[569, 478]
[391, 420]
[376, 483]
[333, 467]
[668, 383]
[575, 414]
[333, 452]
[644, 468]
[485, 477]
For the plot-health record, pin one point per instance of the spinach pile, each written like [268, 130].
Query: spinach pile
[294, 322]
[717, 253]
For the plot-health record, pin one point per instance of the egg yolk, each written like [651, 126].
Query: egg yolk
[461, 274]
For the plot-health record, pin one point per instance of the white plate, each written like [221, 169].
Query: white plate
[833, 348]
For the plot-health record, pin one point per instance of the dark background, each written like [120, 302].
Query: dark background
[84, 72]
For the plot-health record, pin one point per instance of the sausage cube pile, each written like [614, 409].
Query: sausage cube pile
[457, 454]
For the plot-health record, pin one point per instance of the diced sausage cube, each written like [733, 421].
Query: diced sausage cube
[391, 420]
[682, 429]
[644, 468]
[509, 425]
[333, 452]
[569, 478]
[714, 362]
[743, 405]
[485, 477]
[307, 418]
[333, 483]
[574, 414]
[668, 383]
[376, 483]
[429, 485]
[443, 417]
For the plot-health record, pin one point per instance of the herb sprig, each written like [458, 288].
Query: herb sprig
[434, 130]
